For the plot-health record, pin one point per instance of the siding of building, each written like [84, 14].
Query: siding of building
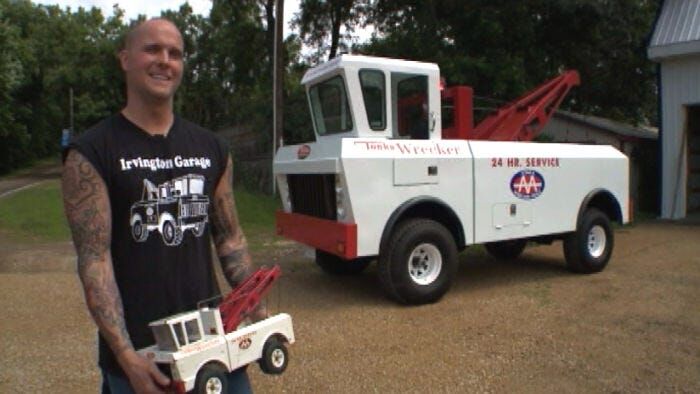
[680, 87]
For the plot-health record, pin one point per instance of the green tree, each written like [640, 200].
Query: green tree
[321, 20]
[504, 48]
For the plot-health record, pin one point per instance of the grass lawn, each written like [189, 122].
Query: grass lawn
[36, 214]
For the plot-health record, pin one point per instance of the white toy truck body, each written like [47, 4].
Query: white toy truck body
[197, 353]
[367, 188]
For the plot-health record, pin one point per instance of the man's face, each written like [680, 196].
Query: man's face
[152, 61]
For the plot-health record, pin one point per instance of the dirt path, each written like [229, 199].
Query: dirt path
[26, 178]
[528, 326]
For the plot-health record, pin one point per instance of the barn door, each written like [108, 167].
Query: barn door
[693, 186]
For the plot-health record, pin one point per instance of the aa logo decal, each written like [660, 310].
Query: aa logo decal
[527, 184]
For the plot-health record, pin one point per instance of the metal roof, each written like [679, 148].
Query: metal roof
[612, 126]
[677, 30]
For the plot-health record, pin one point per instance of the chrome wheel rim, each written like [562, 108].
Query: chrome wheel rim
[425, 264]
[214, 385]
[597, 240]
[277, 358]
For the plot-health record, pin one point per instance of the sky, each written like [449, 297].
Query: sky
[152, 8]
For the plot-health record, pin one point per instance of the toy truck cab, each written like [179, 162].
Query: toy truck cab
[390, 178]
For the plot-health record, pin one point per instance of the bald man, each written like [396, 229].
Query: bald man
[141, 257]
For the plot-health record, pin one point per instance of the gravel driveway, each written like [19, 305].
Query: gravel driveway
[526, 326]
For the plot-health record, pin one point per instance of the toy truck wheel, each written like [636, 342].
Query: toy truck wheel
[138, 230]
[274, 358]
[506, 250]
[588, 249]
[335, 265]
[418, 263]
[211, 379]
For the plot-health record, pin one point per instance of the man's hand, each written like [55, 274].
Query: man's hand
[143, 374]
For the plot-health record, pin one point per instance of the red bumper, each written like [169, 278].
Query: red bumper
[330, 236]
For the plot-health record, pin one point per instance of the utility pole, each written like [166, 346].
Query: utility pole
[278, 85]
[70, 94]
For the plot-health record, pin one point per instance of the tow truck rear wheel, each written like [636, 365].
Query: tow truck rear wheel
[335, 265]
[506, 250]
[275, 358]
[418, 263]
[211, 379]
[588, 249]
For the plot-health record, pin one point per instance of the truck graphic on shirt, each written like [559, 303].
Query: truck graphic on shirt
[171, 208]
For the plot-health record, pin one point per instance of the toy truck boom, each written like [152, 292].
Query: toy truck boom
[391, 177]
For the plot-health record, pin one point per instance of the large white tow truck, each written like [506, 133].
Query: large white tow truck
[398, 173]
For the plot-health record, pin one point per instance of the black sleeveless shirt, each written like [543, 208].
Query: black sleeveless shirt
[160, 190]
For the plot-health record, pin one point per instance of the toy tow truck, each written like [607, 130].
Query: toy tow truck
[398, 173]
[197, 349]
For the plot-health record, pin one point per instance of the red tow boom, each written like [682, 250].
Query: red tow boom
[521, 120]
[242, 300]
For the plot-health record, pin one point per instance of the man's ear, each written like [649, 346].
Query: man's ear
[123, 59]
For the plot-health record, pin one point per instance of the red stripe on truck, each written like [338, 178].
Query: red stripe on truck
[330, 236]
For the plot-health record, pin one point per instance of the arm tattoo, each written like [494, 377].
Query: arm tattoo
[231, 245]
[89, 215]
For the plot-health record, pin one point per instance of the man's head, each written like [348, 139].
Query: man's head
[152, 60]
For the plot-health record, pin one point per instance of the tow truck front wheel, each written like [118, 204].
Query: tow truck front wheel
[275, 357]
[335, 265]
[211, 379]
[418, 263]
[588, 249]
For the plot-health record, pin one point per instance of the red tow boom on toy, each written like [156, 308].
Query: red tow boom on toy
[242, 300]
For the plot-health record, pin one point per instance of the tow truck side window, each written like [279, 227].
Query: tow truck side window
[329, 107]
[373, 94]
[410, 105]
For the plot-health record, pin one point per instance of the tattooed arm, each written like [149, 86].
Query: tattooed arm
[231, 245]
[88, 211]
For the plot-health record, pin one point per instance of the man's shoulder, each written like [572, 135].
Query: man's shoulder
[198, 132]
[99, 130]
[195, 128]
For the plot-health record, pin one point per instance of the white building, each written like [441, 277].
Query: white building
[675, 45]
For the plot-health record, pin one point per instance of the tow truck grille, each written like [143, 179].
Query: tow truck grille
[313, 194]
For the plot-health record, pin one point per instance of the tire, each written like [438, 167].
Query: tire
[588, 249]
[334, 265]
[418, 263]
[506, 250]
[275, 357]
[172, 234]
[211, 379]
[138, 230]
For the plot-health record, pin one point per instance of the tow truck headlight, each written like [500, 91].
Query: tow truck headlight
[339, 201]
